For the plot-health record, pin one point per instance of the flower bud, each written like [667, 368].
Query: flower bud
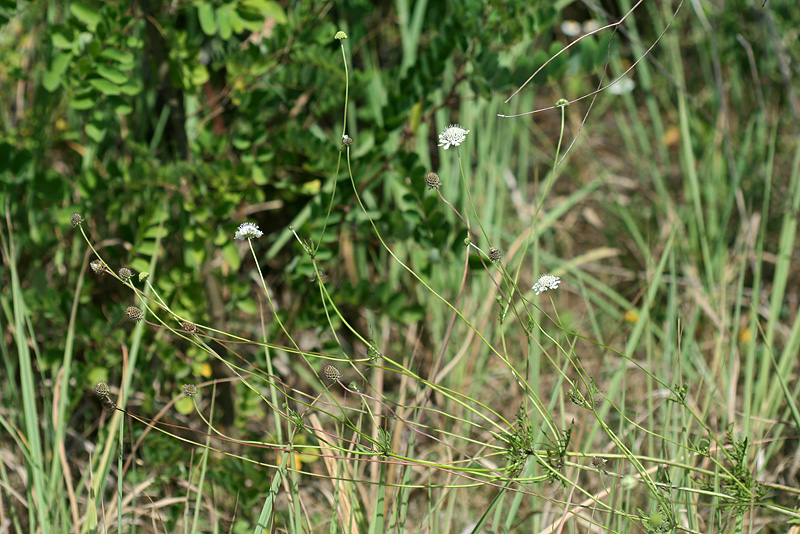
[331, 373]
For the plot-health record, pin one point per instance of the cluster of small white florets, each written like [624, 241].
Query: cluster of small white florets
[545, 282]
[453, 135]
[248, 230]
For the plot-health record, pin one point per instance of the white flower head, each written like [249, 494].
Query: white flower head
[590, 25]
[571, 28]
[453, 135]
[248, 230]
[622, 87]
[545, 282]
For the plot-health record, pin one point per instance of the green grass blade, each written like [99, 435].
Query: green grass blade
[267, 511]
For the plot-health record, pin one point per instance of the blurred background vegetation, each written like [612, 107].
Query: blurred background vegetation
[167, 124]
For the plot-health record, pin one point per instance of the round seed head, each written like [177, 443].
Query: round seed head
[347, 140]
[76, 219]
[190, 390]
[432, 180]
[125, 274]
[110, 407]
[340, 35]
[190, 328]
[332, 373]
[494, 254]
[134, 313]
[98, 267]
[101, 389]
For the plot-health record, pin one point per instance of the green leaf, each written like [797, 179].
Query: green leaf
[123, 108]
[60, 41]
[146, 248]
[51, 79]
[198, 74]
[120, 56]
[112, 75]
[258, 176]
[312, 187]
[267, 9]
[139, 264]
[246, 305]
[416, 117]
[184, 405]
[97, 374]
[104, 86]
[132, 88]
[236, 22]
[86, 14]
[250, 20]
[224, 21]
[156, 232]
[95, 134]
[231, 255]
[82, 103]
[205, 13]
[241, 143]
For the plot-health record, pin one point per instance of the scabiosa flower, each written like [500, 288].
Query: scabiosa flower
[494, 254]
[622, 87]
[134, 314]
[590, 25]
[545, 282]
[453, 135]
[432, 180]
[571, 28]
[248, 230]
[76, 219]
